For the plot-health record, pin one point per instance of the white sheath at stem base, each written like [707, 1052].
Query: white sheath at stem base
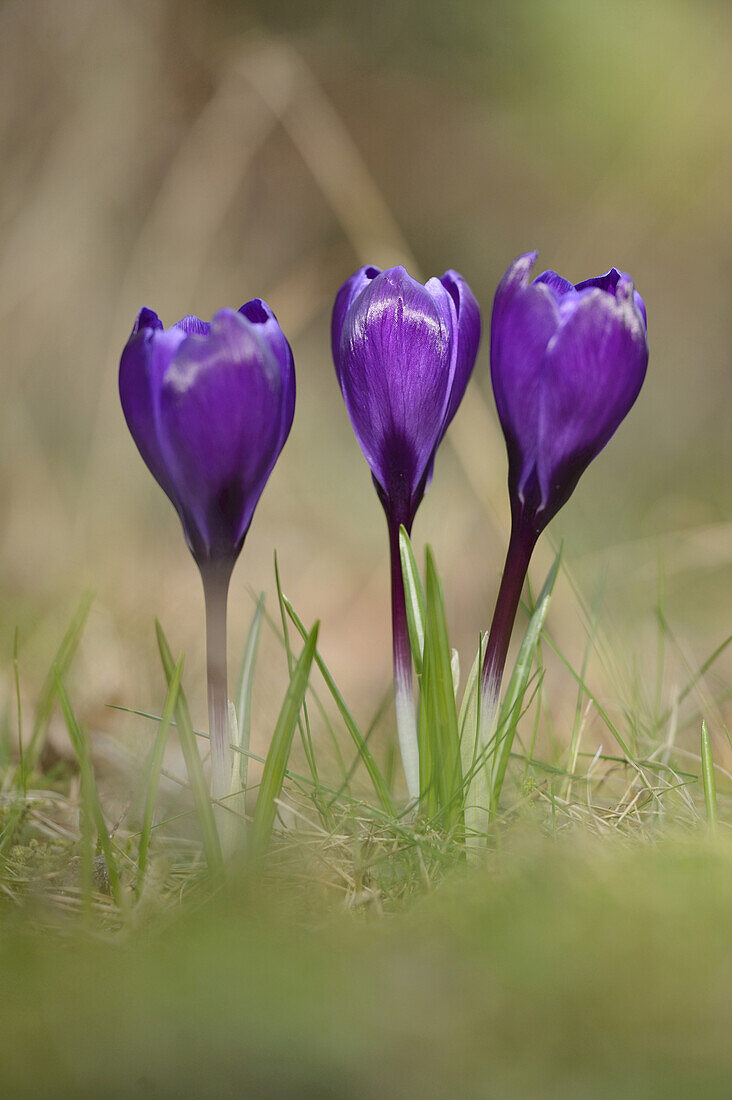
[407, 730]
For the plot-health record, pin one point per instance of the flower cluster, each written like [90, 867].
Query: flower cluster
[210, 406]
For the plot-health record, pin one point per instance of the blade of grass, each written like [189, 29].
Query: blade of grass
[303, 722]
[511, 709]
[380, 786]
[591, 695]
[244, 689]
[322, 806]
[381, 711]
[23, 775]
[428, 739]
[296, 777]
[7, 743]
[660, 640]
[696, 677]
[61, 662]
[153, 775]
[709, 779]
[194, 767]
[415, 599]
[579, 706]
[279, 749]
[444, 735]
[81, 746]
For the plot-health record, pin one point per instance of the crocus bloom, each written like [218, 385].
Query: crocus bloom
[403, 354]
[210, 406]
[567, 363]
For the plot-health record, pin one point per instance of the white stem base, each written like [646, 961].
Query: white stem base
[408, 743]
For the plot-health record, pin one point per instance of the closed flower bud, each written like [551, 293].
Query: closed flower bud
[403, 354]
[567, 363]
[210, 407]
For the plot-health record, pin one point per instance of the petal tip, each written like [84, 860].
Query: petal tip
[517, 273]
[257, 311]
[146, 319]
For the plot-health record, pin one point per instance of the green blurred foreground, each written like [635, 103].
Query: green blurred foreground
[572, 969]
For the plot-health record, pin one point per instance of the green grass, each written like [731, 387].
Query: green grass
[560, 969]
[340, 947]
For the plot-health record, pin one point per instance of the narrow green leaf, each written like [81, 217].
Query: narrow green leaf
[380, 786]
[303, 721]
[602, 713]
[153, 774]
[61, 662]
[574, 743]
[709, 778]
[244, 690]
[19, 709]
[660, 638]
[414, 597]
[697, 676]
[428, 737]
[441, 739]
[199, 787]
[82, 749]
[510, 711]
[279, 750]
[296, 777]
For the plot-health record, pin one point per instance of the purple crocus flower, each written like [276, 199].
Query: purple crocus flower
[210, 406]
[567, 363]
[403, 354]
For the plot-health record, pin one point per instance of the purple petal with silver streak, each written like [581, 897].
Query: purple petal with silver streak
[397, 366]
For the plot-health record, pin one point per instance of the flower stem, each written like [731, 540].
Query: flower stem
[215, 577]
[403, 689]
[520, 548]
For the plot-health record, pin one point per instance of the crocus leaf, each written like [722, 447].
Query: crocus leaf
[279, 750]
[511, 708]
[153, 773]
[441, 773]
[414, 598]
[244, 690]
[194, 767]
[380, 786]
[82, 749]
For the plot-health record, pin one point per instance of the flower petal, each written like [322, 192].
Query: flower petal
[609, 283]
[525, 318]
[514, 279]
[467, 337]
[193, 326]
[557, 283]
[146, 319]
[593, 371]
[144, 361]
[258, 313]
[348, 292]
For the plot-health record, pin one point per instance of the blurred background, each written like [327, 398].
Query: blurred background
[191, 156]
